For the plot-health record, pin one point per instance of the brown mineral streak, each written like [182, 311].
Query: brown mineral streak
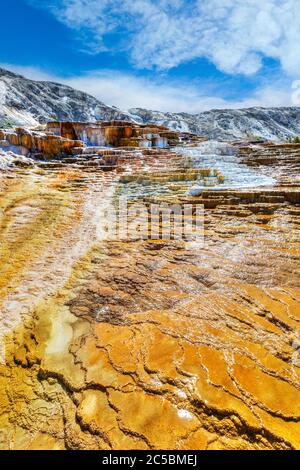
[146, 344]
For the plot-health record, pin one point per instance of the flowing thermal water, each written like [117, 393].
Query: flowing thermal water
[223, 157]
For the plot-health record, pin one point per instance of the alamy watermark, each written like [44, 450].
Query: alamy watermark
[125, 220]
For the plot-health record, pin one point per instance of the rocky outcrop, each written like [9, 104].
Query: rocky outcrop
[275, 124]
[10, 160]
[37, 144]
[26, 102]
[63, 138]
[120, 134]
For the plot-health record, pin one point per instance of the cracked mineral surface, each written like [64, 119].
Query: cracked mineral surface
[146, 344]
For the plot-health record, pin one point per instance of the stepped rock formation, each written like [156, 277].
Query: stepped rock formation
[151, 344]
[10, 159]
[120, 134]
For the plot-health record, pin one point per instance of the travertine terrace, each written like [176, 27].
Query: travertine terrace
[147, 344]
[67, 138]
[119, 134]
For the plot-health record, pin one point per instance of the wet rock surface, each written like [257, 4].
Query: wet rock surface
[27, 102]
[148, 344]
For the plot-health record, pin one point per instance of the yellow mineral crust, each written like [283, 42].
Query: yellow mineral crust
[145, 344]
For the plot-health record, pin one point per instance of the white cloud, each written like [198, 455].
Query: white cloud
[128, 91]
[234, 34]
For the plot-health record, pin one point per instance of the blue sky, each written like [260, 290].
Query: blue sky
[177, 55]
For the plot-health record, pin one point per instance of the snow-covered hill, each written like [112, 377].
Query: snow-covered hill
[28, 102]
[277, 124]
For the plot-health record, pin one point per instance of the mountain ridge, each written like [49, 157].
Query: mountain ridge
[31, 102]
[26, 102]
[278, 124]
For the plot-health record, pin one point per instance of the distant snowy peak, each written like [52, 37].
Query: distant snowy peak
[276, 124]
